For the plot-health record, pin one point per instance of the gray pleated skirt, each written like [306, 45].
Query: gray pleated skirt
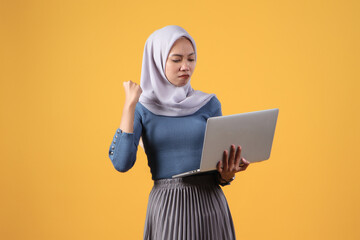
[188, 208]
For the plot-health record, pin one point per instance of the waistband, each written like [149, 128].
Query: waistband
[194, 180]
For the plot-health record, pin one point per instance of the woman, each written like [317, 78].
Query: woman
[170, 117]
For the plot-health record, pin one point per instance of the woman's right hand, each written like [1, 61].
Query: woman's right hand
[132, 92]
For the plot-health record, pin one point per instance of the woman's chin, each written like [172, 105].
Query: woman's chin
[179, 82]
[182, 83]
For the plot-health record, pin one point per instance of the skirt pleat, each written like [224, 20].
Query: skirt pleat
[188, 208]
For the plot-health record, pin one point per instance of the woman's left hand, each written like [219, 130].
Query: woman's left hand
[232, 163]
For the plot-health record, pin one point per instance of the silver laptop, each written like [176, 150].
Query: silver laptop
[253, 131]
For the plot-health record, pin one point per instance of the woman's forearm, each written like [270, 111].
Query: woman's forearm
[127, 119]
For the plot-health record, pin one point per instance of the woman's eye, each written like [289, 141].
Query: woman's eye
[191, 60]
[176, 60]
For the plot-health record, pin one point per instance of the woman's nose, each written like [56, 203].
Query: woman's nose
[185, 66]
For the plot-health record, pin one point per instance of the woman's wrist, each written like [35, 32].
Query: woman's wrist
[130, 105]
[224, 181]
[227, 179]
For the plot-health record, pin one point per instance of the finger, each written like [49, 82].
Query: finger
[232, 157]
[218, 167]
[237, 156]
[241, 162]
[225, 160]
[237, 164]
[240, 149]
[245, 161]
[244, 164]
[126, 84]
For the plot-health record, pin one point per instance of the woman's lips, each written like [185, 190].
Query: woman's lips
[184, 76]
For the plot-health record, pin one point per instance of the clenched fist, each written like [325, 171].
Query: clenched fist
[132, 92]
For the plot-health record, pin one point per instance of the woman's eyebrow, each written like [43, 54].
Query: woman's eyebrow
[179, 55]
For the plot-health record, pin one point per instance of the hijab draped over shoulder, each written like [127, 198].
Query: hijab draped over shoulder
[159, 95]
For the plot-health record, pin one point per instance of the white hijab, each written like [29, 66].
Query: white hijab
[159, 95]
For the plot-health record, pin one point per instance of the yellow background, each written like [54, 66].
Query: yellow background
[62, 66]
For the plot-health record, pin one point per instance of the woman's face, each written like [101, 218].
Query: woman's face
[181, 62]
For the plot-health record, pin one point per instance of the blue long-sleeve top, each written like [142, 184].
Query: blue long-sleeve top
[172, 144]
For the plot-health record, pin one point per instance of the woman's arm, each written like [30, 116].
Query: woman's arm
[132, 93]
[123, 148]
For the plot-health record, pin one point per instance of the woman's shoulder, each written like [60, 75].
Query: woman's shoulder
[213, 103]
[140, 110]
[212, 106]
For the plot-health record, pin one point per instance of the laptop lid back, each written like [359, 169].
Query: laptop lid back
[253, 131]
